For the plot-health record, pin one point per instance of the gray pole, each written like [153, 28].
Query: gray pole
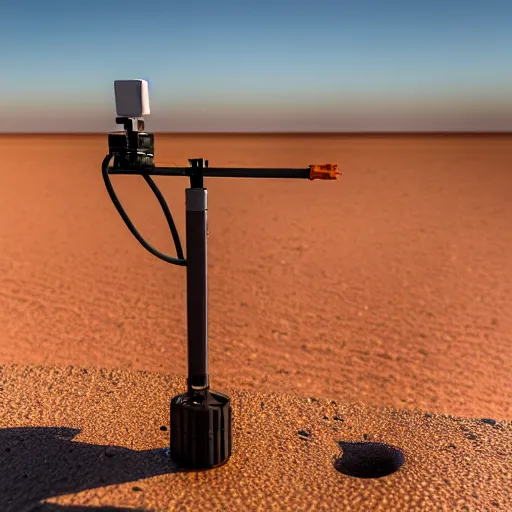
[197, 289]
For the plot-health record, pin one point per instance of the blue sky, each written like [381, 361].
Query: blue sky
[252, 66]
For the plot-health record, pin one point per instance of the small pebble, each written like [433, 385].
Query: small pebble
[110, 451]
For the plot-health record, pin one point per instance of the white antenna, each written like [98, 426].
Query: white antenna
[132, 98]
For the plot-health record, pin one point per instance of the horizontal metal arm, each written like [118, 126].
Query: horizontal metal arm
[220, 172]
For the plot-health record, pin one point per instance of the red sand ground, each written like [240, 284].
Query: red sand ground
[391, 286]
[95, 438]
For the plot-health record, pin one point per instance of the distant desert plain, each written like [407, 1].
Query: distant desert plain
[390, 287]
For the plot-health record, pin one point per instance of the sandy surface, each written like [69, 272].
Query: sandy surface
[97, 438]
[389, 291]
[392, 286]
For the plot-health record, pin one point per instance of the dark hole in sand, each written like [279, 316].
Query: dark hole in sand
[368, 460]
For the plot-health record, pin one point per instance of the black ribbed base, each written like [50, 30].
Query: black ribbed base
[201, 435]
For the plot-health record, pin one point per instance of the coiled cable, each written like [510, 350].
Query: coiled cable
[180, 259]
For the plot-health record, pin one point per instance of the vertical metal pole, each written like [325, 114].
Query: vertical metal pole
[197, 289]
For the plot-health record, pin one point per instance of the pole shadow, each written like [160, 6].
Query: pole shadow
[44, 462]
[52, 507]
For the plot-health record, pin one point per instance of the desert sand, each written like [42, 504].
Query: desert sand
[76, 437]
[391, 287]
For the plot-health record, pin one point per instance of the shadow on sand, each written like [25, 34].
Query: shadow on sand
[50, 507]
[44, 462]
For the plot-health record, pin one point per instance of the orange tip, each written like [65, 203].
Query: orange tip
[324, 172]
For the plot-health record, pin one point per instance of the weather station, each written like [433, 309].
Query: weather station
[200, 418]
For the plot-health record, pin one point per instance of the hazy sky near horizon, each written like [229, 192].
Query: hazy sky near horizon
[270, 65]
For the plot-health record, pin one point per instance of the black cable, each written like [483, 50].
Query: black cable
[180, 260]
[167, 213]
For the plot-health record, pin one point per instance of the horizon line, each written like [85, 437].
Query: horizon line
[284, 133]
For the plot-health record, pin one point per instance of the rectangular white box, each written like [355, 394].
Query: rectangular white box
[132, 98]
